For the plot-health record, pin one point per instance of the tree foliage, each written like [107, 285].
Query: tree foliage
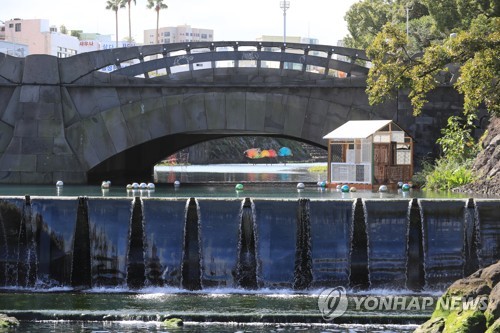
[476, 52]
[450, 42]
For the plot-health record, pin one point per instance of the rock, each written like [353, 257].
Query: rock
[491, 274]
[487, 163]
[469, 287]
[493, 310]
[173, 322]
[6, 321]
[469, 305]
[433, 325]
[465, 322]
[495, 328]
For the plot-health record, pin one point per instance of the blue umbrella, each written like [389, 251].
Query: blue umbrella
[285, 151]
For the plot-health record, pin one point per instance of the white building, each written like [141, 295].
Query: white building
[178, 34]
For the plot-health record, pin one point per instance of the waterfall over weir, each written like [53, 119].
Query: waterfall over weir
[251, 243]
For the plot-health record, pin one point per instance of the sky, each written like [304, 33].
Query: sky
[230, 19]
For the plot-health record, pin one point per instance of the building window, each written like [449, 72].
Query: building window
[18, 27]
[204, 36]
[210, 36]
[167, 34]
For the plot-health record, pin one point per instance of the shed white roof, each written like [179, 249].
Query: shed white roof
[357, 129]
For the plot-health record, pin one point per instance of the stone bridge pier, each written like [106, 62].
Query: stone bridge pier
[113, 114]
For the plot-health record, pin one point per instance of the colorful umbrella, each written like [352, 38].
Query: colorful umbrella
[265, 153]
[253, 153]
[285, 151]
[272, 153]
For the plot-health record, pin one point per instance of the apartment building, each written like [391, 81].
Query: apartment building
[178, 34]
[40, 37]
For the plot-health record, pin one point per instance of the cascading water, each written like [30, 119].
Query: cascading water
[387, 228]
[301, 243]
[303, 276]
[443, 238]
[246, 267]
[359, 274]
[471, 258]
[331, 228]
[136, 270]
[415, 275]
[27, 263]
[191, 255]
[489, 231]
[81, 268]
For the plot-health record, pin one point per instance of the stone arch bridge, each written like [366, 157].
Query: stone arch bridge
[113, 114]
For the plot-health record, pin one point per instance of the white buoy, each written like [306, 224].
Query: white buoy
[151, 186]
[382, 188]
[353, 189]
[143, 185]
[59, 183]
[135, 185]
[129, 186]
[105, 184]
[300, 186]
[177, 183]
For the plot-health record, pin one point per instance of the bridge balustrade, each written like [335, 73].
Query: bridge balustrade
[150, 61]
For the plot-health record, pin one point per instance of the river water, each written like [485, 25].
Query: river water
[220, 173]
[103, 311]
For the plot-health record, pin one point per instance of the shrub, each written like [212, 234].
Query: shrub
[448, 174]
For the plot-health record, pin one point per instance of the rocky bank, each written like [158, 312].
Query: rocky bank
[487, 163]
[470, 305]
[6, 321]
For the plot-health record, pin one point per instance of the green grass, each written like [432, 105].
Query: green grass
[318, 168]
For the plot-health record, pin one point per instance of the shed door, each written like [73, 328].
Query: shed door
[381, 159]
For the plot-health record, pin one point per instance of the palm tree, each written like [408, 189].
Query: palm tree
[157, 5]
[114, 5]
[128, 2]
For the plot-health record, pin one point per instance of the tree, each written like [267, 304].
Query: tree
[157, 5]
[76, 33]
[115, 5]
[128, 3]
[364, 20]
[476, 52]
[63, 29]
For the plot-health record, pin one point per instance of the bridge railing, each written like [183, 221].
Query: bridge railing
[167, 59]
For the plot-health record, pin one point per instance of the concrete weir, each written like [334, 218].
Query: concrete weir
[245, 243]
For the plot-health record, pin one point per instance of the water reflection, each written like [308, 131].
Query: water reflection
[238, 173]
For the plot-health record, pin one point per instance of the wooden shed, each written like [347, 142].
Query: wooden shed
[368, 153]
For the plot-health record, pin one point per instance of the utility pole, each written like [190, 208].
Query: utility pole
[408, 8]
[284, 5]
